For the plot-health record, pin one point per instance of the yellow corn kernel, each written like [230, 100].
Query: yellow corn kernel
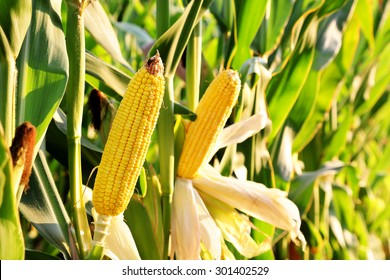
[212, 112]
[129, 139]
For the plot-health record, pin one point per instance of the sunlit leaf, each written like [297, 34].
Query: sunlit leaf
[366, 18]
[378, 84]
[15, 17]
[98, 23]
[12, 241]
[331, 6]
[43, 68]
[329, 82]
[272, 27]
[330, 36]
[339, 139]
[302, 10]
[138, 220]
[249, 15]
[285, 87]
[344, 207]
[105, 77]
[305, 104]
[172, 43]
[143, 38]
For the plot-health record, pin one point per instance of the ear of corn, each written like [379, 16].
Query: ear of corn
[129, 139]
[212, 113]
[22, 150]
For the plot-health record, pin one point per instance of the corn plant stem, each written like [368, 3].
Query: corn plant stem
[7, 98]
[165, 126]
[75, 99]
[193, 66]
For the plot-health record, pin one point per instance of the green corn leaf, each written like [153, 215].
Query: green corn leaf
[43, 207]
[249, 15]
[282, 156]
[183, 111]
[43, 68]
[105, 77]
[272, 27]
[329, 82]
[141, 35]
[302, 10]
[15, 17]
[172, 43]
[286, 86]
[11, 241]
[316, 241]
[138, 220]
[381, 219]
[328, 45]
[350, 42]
[360, 229]
[339, 139]
[305, 104]
[7, 90]
[98, 24]
[382, 35]
[56, 145]
[330, 35]
[344, 207]
[365, 14]
[378, 83]
[302, 186]
[266, 231]
[329, 7]
[223, 13]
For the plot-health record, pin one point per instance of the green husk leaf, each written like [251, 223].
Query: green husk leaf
[11, 241]
[138, 220]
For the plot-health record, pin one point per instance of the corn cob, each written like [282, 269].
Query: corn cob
[129, 139]
[212, 113]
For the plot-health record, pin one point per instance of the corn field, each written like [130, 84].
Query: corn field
[210, 129]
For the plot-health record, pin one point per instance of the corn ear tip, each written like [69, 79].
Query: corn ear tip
[154, 65]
